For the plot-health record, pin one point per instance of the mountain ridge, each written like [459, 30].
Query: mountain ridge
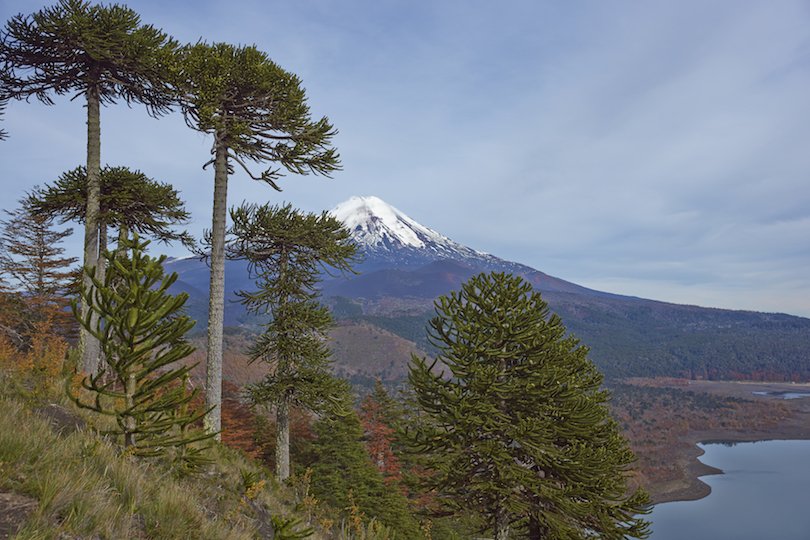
[407, 265]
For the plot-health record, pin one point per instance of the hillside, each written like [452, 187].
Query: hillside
[407, 265]
[363, 352]
[60, 479]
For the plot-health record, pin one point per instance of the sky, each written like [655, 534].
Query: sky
[657, 149]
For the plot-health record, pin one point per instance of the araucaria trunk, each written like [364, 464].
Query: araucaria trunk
[536, 530]
[129, 421]
[283, 440]
[90, 345]
[213, 379]
[501, 525]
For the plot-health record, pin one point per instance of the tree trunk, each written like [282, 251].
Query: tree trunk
[129, 421]
[283, 440]
[101, 270]
[216, 301]
[123, 235]
[89, 344]
[501, 525]
[101, 273]
[284, 365]
[536, 531]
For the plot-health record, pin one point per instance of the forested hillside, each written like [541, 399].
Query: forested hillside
[639, 338]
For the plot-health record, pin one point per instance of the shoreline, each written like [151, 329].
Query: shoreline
[697, 489]
[689, 486]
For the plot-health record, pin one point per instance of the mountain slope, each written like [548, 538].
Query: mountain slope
[407, 265]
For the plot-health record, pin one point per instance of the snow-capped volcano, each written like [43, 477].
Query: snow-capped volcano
[383, 231]
[378, 225]
[390, 241]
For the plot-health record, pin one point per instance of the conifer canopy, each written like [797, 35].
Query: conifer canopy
[76, 46]
[286, 250]
[128, 200]
[514, 422]
[256, 109]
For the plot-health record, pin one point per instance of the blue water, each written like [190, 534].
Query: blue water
[784, 395]
[763, 494]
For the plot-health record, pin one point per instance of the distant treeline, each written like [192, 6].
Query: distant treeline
[685, 342]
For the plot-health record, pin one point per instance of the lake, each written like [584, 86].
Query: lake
[764, 494]
[784, 395]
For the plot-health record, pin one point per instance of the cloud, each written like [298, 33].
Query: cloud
[649, 148]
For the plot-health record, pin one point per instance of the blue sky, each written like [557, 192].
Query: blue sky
[659, 149]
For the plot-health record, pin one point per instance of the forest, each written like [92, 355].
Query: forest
[106, 430]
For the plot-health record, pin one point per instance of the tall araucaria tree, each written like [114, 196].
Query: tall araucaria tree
[257, 113]
[518, 428]
[286, 252]
[103, 53]
[129, 201]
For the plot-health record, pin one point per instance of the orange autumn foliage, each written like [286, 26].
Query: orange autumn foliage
[379, 440]
[43, 356]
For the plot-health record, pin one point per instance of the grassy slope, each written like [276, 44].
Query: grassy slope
[86, 487]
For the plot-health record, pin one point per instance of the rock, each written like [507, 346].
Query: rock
[62, 420]
[14, 510]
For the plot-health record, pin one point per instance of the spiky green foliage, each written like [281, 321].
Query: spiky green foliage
[75, 47]
[291, 528]
[343, 474]
[516, 426]
[142, 334]
[286, 251]
[129, 201]
[255, 109]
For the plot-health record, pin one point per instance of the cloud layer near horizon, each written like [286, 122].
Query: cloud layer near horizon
[655, 149]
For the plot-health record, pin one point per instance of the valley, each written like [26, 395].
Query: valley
[668, 366]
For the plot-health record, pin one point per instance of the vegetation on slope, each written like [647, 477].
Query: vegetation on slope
[86, 486]
[644, 340]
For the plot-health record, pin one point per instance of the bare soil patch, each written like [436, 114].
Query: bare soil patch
[14, 511]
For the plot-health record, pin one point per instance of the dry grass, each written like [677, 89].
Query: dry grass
[87, 487]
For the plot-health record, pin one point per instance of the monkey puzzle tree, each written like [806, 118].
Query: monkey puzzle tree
[257, 112]
[128, 201]
[101, 52]
[518, 428]
[286, 250]
[142, 330]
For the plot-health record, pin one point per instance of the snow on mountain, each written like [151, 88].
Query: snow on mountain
[389, 239]
[382, 230]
